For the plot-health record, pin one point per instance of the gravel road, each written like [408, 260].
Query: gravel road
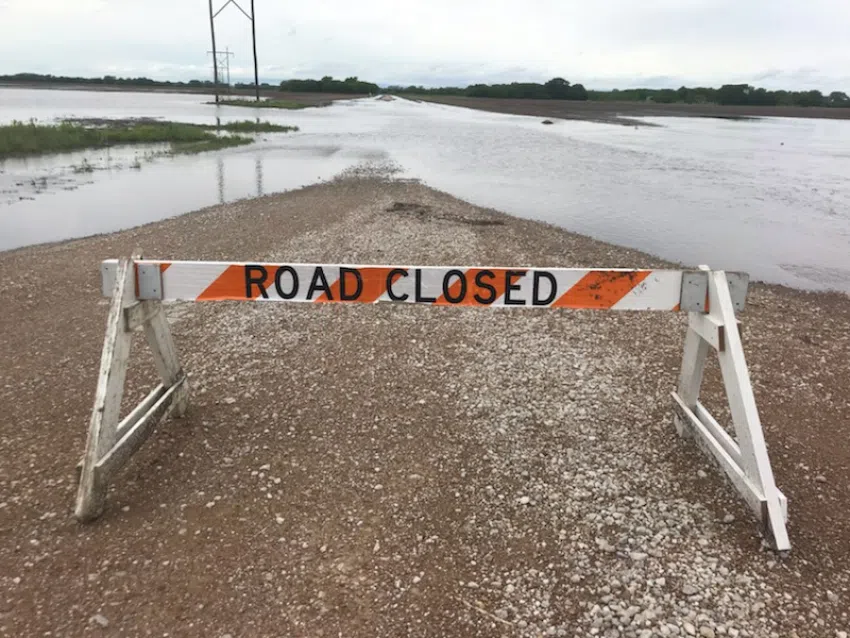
[410, 471]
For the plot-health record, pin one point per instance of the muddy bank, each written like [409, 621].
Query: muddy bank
[386, 470]
[623, 112]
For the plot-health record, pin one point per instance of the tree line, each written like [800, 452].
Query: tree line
[728, 94]
[329, 85]
[554, 89]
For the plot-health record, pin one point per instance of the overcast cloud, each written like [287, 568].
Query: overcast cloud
[793, 44]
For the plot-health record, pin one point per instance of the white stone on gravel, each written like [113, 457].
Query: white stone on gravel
[99, 619]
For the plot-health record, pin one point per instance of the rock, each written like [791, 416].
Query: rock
[690, 629]
[575, 578]
[820, 478]
[706, 632]
[229, 400]
[831, 596]
[547, 122]
[605, 546]
[689, 590]
[841, 634]
[99, 619]
[729, 518]
[636, 556]
[524, 500]
[472, 584]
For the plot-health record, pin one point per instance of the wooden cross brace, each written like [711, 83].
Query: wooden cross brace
[111, 443]
[744, 461]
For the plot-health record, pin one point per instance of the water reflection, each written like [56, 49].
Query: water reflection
[258, 167]
[219, 163]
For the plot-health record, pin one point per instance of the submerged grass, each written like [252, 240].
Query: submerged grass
[30, 138]
[267, 104]
[250, 126]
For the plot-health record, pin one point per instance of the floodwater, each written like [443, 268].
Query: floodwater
[770, 196]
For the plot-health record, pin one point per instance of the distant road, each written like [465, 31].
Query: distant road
[620, 112]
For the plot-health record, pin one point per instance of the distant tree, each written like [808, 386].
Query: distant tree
[838, 98]
[733, 94]
[558, 89]
[665, 96]
[577, 92]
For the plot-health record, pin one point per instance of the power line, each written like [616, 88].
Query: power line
[251, 17]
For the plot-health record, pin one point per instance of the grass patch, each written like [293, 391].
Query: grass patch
[30, 138]
[267, 104]
[250, 126]
[215, 143]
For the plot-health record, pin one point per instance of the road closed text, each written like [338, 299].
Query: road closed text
[440, 286]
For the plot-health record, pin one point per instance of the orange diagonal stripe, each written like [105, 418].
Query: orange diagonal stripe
[454, 290]
[231, 285]
[374, 285]
[600, 289]
[497, 281]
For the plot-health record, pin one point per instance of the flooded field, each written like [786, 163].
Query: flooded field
[769, 196]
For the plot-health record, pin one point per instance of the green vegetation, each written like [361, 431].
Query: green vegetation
[111, 80]
[20, 138]
[556, 89]
[728, 94]
[264, 104]
[327, 84]
[560, 89]
[249, 126]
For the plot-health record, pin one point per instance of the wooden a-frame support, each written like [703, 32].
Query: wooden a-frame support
[111, 443]
[711, 297]
[744, 461]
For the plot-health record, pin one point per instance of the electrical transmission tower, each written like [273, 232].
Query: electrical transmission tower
[221, 60]
[213, 16]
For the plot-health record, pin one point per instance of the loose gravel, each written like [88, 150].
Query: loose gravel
[410, 471]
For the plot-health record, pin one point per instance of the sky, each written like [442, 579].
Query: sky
[604, 44]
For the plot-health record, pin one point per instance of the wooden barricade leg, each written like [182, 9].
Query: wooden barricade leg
[744, 459]
[110, 444]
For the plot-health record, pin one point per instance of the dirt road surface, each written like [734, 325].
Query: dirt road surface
[626, 112]
[409, 471]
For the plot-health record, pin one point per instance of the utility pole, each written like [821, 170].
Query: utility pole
[215, 58]
[254, 41]
[213, 16]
